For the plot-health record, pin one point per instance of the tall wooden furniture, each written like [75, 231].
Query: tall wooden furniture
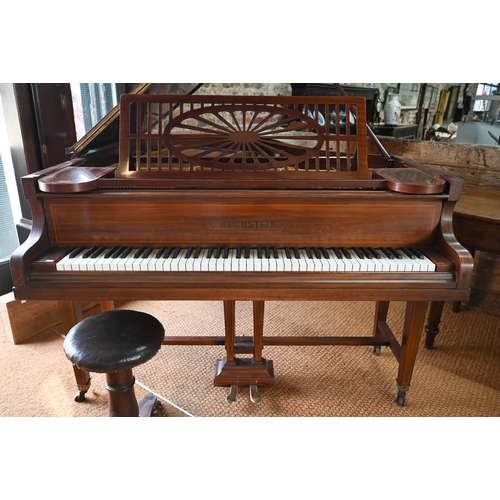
[233, 198]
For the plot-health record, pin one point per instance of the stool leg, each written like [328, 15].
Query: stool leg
[122, 400]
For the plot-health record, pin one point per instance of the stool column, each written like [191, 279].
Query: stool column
[122, 400]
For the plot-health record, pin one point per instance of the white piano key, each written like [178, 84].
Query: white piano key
[65, 263]
[178, 262]
[265, 264]
[98, 264]
[219, 261]
[336, 264]
[79, 262]
[294, 263]
[188, 263]
[406, 264]
[317, 262]
[329, 264]
[287, 263]
[204, 260]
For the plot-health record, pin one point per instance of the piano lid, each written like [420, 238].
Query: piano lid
[100, 144]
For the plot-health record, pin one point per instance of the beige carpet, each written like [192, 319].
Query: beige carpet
[460, 377]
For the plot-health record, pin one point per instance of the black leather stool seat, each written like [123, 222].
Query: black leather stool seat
[114, 341]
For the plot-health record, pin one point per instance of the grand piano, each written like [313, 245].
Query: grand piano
[245, 198]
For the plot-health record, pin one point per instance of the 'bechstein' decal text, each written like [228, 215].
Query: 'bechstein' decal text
[243, 224]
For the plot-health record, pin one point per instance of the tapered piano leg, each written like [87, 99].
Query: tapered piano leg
[433, 320]
[230, 327]
[381, 310]
[107, 305]
[258, 329]
[71, 314]
[412, 331]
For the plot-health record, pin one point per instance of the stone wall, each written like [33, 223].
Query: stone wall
[478, 166]
[245, 89]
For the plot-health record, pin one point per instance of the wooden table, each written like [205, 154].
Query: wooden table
[476, 220]
[476, 223]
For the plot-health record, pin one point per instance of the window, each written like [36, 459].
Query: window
[9, 202]
[91, 102]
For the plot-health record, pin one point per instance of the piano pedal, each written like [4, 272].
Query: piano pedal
[233, 393]
[255, 396]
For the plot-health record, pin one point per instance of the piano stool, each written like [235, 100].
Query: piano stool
[114, 342]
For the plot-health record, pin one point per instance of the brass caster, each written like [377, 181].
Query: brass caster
[80, 396]
[401, 398]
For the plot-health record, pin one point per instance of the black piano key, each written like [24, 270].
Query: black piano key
[197, 252]
[147, 252]
[396, 254]
[167, 252]
[138, 253]
[296, 252]
[75, 252]
[217, 252]
[417, 253]
[126, 252]
[374, 252]
[408, 253]
[238, 252]
[346, 253]
[247, 252]
[275, 252]
[367, 254]
[338, 253]
[288, 253]
[88, 252]
[96, 252]
[308, 252]
[110, 252]
[210, 251]
[317, 252]
[267, 252]
[117, 252]
[175, 252]
[259, 252]
[325, 253]
[188, 253]
[159, 252]
[388, 254]
[359, 253]
[225, 253]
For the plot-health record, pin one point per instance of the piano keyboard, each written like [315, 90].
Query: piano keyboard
[246, 259]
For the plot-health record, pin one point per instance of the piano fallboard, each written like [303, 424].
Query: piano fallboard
[293, 218]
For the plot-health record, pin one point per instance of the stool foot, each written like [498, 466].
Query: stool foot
[149, 405]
